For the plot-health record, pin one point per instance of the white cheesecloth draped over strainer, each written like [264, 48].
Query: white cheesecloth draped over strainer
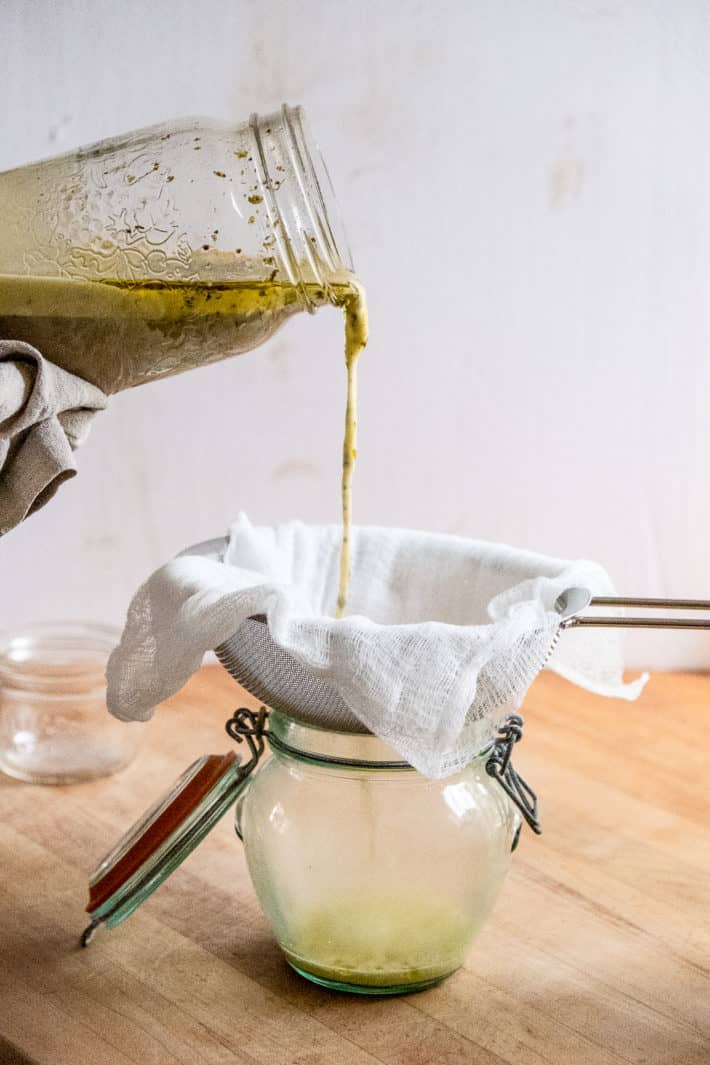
[442, 638]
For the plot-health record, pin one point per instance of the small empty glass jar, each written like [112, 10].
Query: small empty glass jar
[54, 725]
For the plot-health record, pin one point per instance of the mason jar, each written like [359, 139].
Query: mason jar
[169, 247]
[54, 725]
[374, 878]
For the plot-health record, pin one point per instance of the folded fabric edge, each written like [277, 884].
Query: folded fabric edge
[627, 690]
[39, 467]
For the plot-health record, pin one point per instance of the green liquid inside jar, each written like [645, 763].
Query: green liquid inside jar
[378, 944]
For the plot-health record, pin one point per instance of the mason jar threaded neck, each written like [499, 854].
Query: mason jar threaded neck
[309, 239]
[55, 658]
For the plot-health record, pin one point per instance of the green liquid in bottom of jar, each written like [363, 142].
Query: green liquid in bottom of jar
[378, 944]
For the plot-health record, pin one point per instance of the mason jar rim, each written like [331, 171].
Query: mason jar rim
[307, 226]
[68, 650]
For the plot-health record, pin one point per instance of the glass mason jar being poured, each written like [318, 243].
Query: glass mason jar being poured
[175, 246]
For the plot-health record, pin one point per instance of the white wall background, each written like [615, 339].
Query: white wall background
[527, 192]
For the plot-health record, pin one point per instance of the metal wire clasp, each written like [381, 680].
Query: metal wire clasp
[500, 767]
[249, 725]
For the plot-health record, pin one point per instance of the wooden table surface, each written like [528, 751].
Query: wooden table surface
[598, 952]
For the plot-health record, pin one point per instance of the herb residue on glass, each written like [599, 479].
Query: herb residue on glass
[378, 941]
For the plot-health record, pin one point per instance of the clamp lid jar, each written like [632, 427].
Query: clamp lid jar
[374, 878]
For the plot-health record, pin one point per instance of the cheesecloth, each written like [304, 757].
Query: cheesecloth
[442, 639]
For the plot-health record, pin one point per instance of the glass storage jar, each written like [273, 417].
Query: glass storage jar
[374, 878]
[54, 725]
[169, 247]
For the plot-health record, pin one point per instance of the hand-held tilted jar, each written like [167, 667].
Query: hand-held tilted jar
[171, 247]
[153, 253]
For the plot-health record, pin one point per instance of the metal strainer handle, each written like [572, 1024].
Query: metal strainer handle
[573, 601]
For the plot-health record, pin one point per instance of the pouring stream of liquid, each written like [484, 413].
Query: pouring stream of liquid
[355, 310]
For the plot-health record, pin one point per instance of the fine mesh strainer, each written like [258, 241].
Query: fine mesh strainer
[279, 680]
[274, 676]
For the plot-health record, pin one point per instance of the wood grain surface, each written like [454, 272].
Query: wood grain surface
[598, 952]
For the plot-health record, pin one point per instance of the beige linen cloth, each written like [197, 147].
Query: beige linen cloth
[45, 415]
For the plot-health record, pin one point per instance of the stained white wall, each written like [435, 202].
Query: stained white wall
[527, 192]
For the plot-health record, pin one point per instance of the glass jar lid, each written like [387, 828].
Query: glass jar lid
[162, 838]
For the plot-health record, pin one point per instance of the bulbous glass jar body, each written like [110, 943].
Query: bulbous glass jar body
[168, 247]
[374, 878]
